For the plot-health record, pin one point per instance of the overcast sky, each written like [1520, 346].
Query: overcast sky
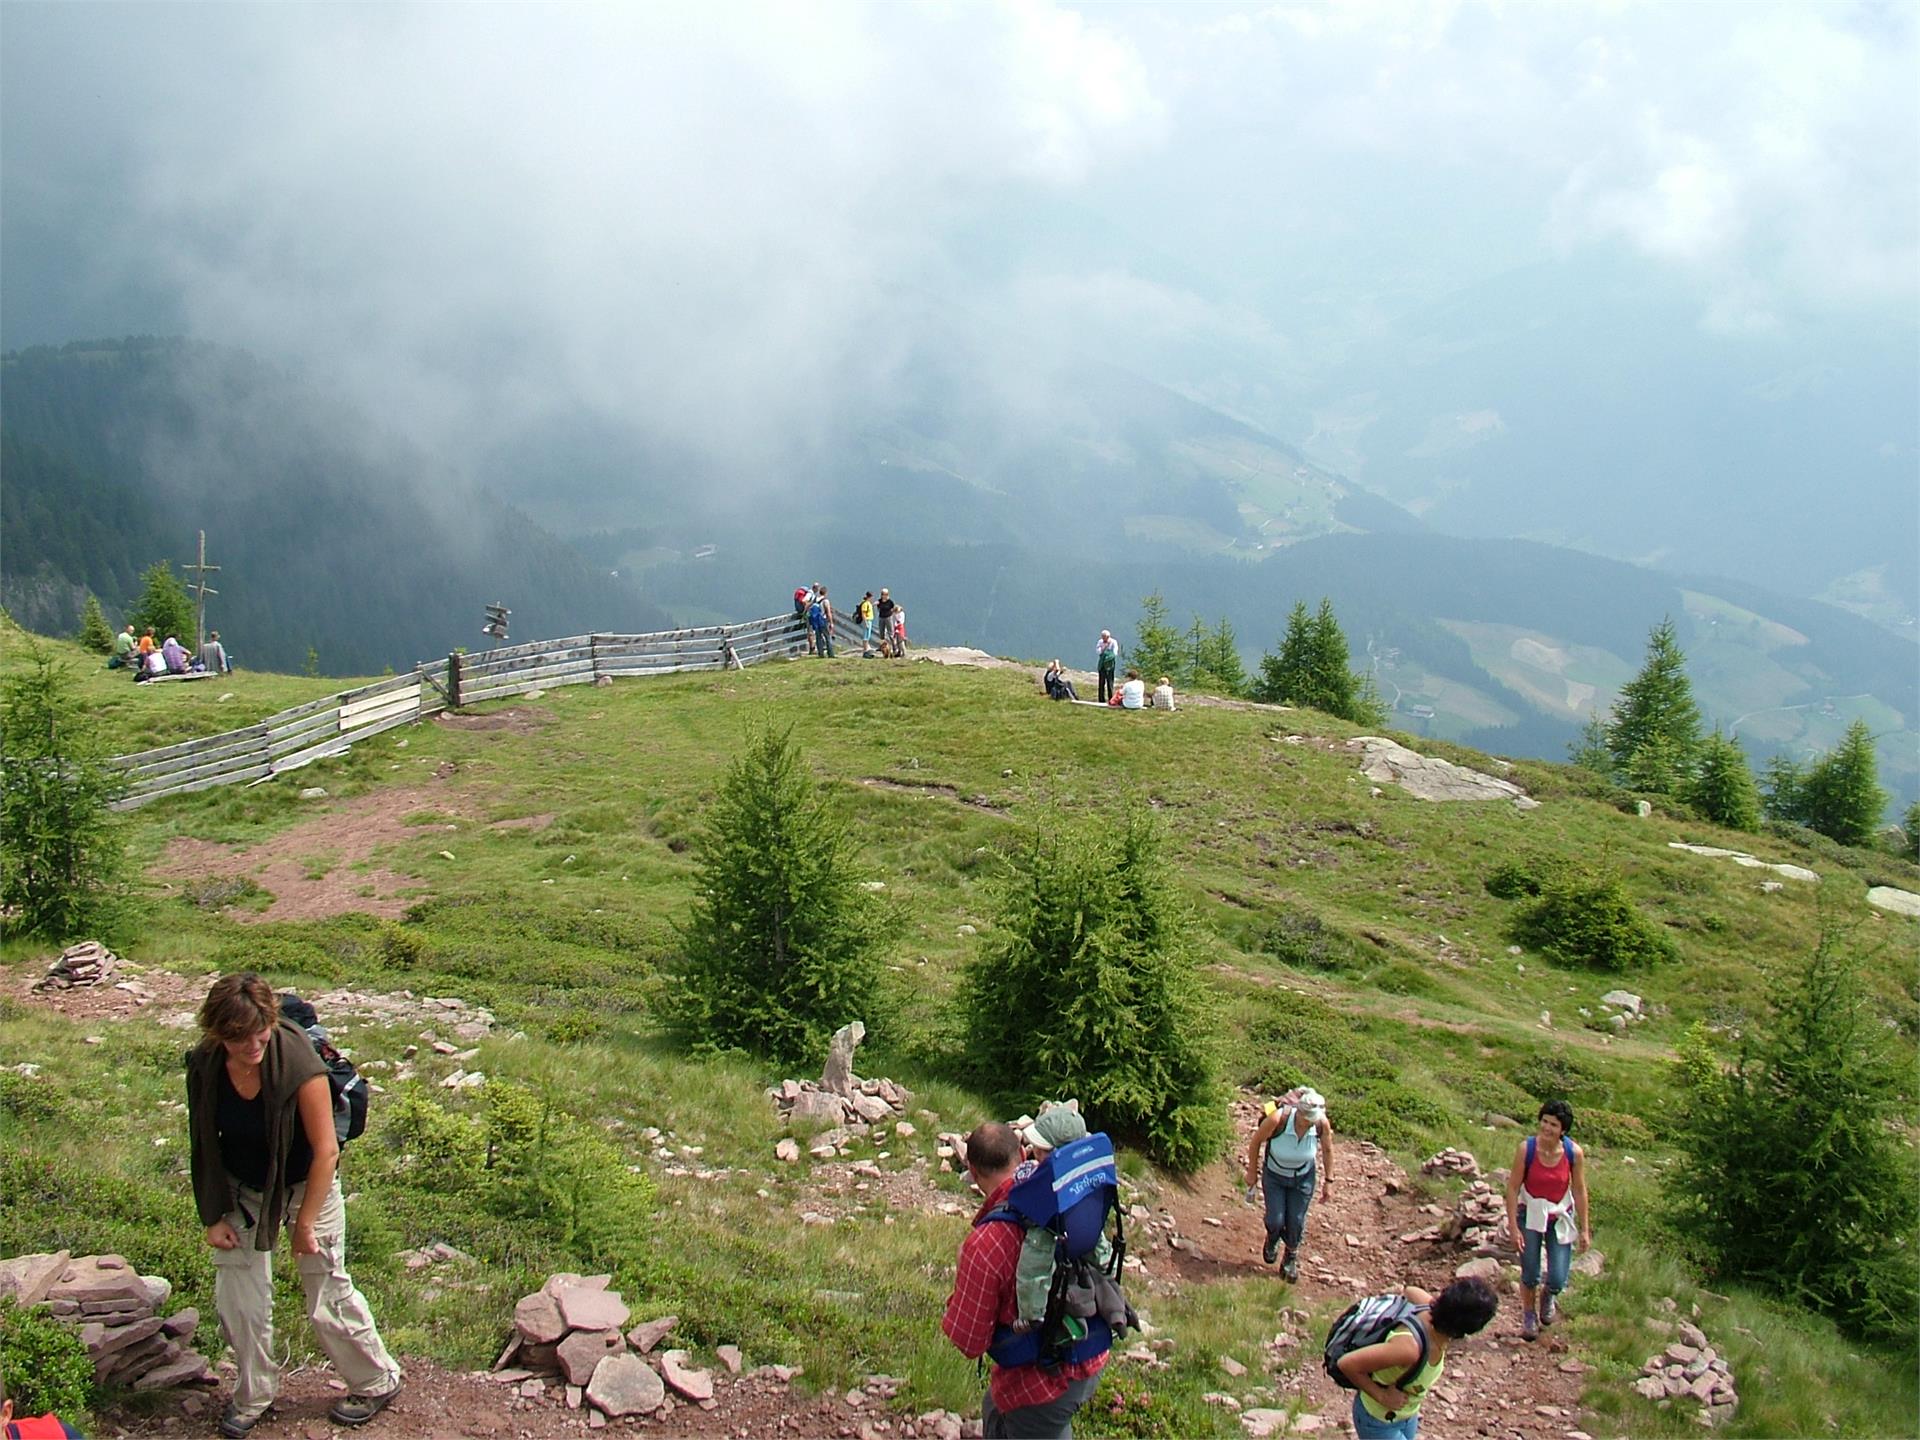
[475, 215]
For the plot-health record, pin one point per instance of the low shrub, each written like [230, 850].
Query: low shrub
[1512, 880]
[1611, 1127]
[1303, 940]
[45, 1364]
[1590, 921]
[30, 1098]
[1487, 1092]
[1549, 1075]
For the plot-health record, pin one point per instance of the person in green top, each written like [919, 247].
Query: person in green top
[1387, 1405]
[123, 644]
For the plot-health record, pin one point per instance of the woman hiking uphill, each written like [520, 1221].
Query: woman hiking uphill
[265, 1154]
[1546, 1190]
[1290, 1148]
[1390, 1386]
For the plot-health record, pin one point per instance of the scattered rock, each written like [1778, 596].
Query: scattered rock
[1622, 1000]
[115, 1312]
[1232, 1366]
[1740, 857]
[1425, 778]
[729, 1356]
[313, 792]
[1899, 902]
[1450, 1162]
[581, 1352]
[787, 1151]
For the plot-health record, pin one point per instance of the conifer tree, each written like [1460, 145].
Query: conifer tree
[1783, 790]
[1156, 647]
[94, 632]
[164, 606]
[1089, 988]
[1796, 1177]
[782, 947]
[1654, 736]
[1842, 794]
[1335, 686]
[1220, 658]
[1722, 789]
[1910, 822]
[1589, 750]
[59, 848]
[1286, 676]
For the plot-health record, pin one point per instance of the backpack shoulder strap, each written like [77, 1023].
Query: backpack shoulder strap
[1566, 1149]
[1416, 1322]
[1533, 1148]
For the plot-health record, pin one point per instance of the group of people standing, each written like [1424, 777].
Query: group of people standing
[882, 622]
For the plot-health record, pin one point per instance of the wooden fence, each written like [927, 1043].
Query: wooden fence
[331, 726]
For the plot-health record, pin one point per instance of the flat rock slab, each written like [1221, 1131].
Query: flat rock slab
[580, 1353]
[1427, 778]
[1740, 857]
[537, 1317]
[592, 1309]
[27, 1278]
[649, 1333]
[683, 1379]
[1900, 902]
[625, 1385]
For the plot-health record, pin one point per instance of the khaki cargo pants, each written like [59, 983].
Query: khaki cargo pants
[243, 1297]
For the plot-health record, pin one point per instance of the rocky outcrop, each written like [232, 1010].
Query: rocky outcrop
[1898, 902]
[1740, 857]
[1427, 778]
[117, 1313]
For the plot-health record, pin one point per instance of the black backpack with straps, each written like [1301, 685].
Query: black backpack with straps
[349, 1087]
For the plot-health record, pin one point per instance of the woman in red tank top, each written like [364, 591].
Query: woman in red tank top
[1547, 1212]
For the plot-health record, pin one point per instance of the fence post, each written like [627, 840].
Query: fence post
[453, 681]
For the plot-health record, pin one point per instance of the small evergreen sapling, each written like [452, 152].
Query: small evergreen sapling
[1722, 789]
[782, 946]
[94, 632]
[59, 847]
[1156, 646]
[1088, 988]
[1794, 1177]
[1579, 918]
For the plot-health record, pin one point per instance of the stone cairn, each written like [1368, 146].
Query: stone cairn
[840, 1098]
[1690, 1369]
[570, 1346]
[117, 1312]
[88, 963]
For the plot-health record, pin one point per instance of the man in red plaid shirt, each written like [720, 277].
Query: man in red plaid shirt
[1023, 1402]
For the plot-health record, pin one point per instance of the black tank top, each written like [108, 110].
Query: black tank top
[243, 1138]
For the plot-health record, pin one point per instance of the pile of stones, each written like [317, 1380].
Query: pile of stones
[117, 1312]
[840, 1097]
[568, 1338]
[1479, 1221]
[1691, 1369]
[88, 963]
[1451, 1162]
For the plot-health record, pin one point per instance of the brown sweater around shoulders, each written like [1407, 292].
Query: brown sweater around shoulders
[289, 1063]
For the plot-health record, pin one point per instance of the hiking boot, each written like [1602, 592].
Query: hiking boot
[1290, 1267]
[359, 1409]
[1272, 1249]
[234, 1428]
[1529, 1326]
[1548, 1309]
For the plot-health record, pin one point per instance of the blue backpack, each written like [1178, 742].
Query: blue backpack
[816, 617]
[1071, 1194]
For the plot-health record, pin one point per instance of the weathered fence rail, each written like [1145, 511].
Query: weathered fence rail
[332, 725]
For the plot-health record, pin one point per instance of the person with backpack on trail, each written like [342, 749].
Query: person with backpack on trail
[1290, 1148]
[863, 616]
[883, 609]
[265, 1154]
[820, 617]
[1392, 1350]
[1106, 660]
[1546, 1191]
[1026, 1399]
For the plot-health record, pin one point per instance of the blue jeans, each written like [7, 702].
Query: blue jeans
[823, 642]
[1559, 1261]
[1287, 1200]
[1368, 1428]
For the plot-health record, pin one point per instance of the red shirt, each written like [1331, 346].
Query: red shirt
[1547, 1180]
[983, 1297]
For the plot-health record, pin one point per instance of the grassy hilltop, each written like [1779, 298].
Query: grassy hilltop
[534, 856]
